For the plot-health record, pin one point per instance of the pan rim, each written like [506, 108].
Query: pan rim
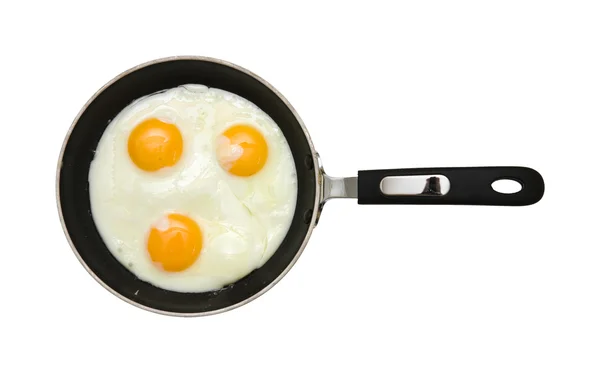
[316, 169]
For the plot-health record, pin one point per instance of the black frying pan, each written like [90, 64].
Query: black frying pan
[403, 186]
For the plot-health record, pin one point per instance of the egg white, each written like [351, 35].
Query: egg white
[243, 219]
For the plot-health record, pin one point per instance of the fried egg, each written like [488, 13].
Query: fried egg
[192, 188]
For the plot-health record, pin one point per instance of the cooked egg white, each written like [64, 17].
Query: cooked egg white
[242, 219]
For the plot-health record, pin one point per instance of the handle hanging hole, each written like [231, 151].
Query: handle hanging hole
[507, 186]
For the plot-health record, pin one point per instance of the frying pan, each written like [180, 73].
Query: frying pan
[470, 185]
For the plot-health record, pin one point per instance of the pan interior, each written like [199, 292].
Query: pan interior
[79, 152]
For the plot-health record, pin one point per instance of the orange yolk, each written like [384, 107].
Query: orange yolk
[242, 150]
[154, 144]
[175, 242]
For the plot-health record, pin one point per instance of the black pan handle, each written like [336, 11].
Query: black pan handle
[448, 186]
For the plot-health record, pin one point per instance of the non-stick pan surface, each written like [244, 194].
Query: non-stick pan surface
[78, 152]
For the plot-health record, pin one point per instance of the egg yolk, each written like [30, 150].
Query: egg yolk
[154, 144]
[242, 150]
[175, 242]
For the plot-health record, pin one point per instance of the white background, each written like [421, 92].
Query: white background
[379, 288]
